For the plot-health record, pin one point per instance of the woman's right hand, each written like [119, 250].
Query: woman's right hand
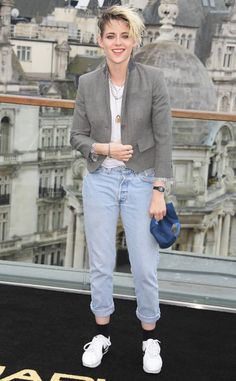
[122, 152]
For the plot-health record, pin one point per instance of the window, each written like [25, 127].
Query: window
[24, 53]
[3, 225]
[47, 138]
[43, 219]
[57, 216]
[61, 137]
[51, 183]
[228, 57]
[59, 176]
[183, 40]
[188, 42]
[177, 37]
[212, 3]
[44, 179]
[150, 36]
[205, 3]
[4, 135]
[224, 104]
[91, 52]
[4, 190]
[92, 39]
[51, 255]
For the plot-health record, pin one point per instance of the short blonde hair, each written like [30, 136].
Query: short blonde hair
[127, 14]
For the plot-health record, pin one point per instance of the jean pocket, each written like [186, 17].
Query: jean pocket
[148, 176]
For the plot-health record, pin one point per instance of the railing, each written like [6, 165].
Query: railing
[191, 274]
[51, 193]
[69, 104]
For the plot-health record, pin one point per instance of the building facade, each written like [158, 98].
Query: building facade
[35, 156]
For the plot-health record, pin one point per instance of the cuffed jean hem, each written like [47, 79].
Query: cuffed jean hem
[146, 319]
[104, 312]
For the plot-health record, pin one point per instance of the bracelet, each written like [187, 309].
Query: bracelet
[109, 150]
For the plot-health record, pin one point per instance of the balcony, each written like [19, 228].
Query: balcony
[8, 159]
[7, 247]
[51, 193]
[56, 153]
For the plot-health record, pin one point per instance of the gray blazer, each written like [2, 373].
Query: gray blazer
[145, 118]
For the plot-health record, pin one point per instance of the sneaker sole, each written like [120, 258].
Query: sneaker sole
[93, 365]
[152, 372]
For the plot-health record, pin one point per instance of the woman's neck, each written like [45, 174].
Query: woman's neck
[118, 73]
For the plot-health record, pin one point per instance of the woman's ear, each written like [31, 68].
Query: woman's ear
[100, 43]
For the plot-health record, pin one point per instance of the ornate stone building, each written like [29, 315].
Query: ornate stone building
[204, 162]
[221, 63]
[186, 42]
[204, 190]
[35, 160]
[5, 46]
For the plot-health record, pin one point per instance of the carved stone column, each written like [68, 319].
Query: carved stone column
[224, 247]
[219, 232]
[198, 243]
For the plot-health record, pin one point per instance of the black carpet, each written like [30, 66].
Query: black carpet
[45, 331]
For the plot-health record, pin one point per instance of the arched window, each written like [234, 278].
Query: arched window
[228, 57]
[92, 39]
[177, 38]
[188, 41]
[4, 135]
[182, 40]
[150, 36]
[224, 104]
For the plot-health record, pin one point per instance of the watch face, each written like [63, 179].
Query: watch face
[159, 188]
[93, 157]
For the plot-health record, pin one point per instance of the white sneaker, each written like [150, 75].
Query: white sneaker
[94, 351]
[152, 361]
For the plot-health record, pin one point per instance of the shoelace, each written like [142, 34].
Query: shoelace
[103, 341]
[153, 348]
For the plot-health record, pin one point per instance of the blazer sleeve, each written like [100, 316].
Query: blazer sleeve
[80, 132]
[162, 128]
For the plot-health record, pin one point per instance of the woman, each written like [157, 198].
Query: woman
[122, 126]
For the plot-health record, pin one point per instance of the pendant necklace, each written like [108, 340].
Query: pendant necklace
[117, 93]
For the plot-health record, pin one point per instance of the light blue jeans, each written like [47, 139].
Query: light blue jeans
[106, 193]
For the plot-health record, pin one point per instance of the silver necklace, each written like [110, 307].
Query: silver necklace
[115, 91]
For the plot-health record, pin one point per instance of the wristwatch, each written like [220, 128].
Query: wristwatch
[92, 155]
[159, 189]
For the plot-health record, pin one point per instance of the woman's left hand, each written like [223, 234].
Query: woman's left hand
[157, 207]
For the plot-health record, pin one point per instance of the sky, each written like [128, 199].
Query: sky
[84, 3]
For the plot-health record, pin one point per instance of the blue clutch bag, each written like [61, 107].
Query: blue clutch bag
[166, 231]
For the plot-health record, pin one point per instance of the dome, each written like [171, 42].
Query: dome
[188, 81]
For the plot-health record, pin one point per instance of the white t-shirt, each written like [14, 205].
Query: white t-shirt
[115, 106]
